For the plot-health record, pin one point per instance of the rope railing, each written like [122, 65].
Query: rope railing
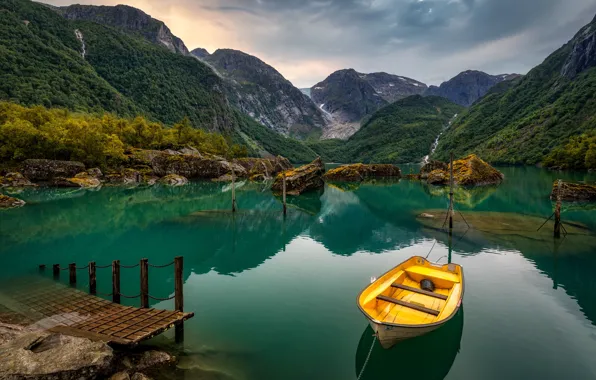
[116, 294]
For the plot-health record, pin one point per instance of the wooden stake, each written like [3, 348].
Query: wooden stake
[92, 278]
[72, 270]
[42, 268]
[144, 264]
[116, 281]
[233, 191]
[284, 191]
[179, 295]
[451, 192]
[557, 232]
[56, 271]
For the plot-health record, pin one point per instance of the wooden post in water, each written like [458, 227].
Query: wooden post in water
[56, 271]
[557, 232]
[72, 274]
[92, 278]
[144, 264]
[450, 191]
[179, 295]
[116, 281]
[233, 190]
[284, 191]
[42, 268]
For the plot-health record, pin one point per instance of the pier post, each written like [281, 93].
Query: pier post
[116, 281]
[56, 271]
[92, 278]
[450, 191]
[144, 264]
[42, 268]
[233, 190]
[557, 232]
[284, 191]
[72, 274]
[179, 295]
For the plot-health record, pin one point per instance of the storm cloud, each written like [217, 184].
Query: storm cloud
[429, 40]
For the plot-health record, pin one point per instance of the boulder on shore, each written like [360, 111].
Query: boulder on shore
[430, 166]
[173, 180]
[131, 177]
[299, 180]
[571, 192]
[468, 171]
[15, 180]
[41, 355]
[193, 166]
[46, 170]
[10, 202]
[265, 167]
[87, 180]
[359, 172]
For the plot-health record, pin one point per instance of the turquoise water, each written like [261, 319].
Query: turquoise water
[275, 298]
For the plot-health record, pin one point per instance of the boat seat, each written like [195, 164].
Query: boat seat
[409, 305]
[441, 278]
[420, 291]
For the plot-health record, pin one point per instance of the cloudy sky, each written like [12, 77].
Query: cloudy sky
[428, 40]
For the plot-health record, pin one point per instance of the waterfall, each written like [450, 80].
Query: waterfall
[436, 143]
[80, 38]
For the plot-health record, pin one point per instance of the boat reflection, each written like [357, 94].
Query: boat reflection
[438, 348]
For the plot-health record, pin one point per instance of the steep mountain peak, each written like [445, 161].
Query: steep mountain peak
[127, 18]
[242, 66]
[468, 86]
[200, 53]
[583, 53]
[394, 87]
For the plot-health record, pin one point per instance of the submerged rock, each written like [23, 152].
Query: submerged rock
[359, 172]
[468, 171]
[173, 180]
[15, 180]
[10, 202]
[41, 355]
[299, 180]
[46, 170]
[571, 192]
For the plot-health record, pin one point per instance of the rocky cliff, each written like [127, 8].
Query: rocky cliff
[128, 18]
[583, 53]
[468, 86]
[394, 87]
[260, 91]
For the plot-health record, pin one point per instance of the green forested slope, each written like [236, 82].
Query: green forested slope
[538, 116]
[398, 133]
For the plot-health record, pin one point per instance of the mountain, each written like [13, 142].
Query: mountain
[548, 115]
[200, 53]
[305, 91]
[467, 87]
[85, 66]
[401, 132]
[346, 98]
[129, 19]
[394, 87]
[261, 92]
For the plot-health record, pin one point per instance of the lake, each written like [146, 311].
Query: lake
[275, 297]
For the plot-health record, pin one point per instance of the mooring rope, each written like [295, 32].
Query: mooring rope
[161, 299]
[160, 266]
[431, 249]
[129, 266]
[103, 266]
[367, 358]
[125, 296]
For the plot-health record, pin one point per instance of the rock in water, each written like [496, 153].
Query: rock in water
[359, 172]
[571, 192]
[267, 167]
[430, 166]
[469, 171]
[87, 180]
[304, 178]
[15, 180]
[192, 166]
[10, 202]
[39, 355]
[46, 170]
[174, 180]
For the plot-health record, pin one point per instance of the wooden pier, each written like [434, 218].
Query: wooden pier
[61, 308]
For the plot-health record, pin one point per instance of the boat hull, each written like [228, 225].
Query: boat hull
[388, 335]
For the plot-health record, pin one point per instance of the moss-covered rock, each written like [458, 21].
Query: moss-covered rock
[571, 192]
[430, 166]
[10, 202]
[84, 180]
[299, 180]
[15, 180]
[359, 172]
[468, 171]
[47, 170]
[193, 166]
[267, 167]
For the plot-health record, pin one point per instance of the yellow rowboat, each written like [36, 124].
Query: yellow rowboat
[397, 307]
